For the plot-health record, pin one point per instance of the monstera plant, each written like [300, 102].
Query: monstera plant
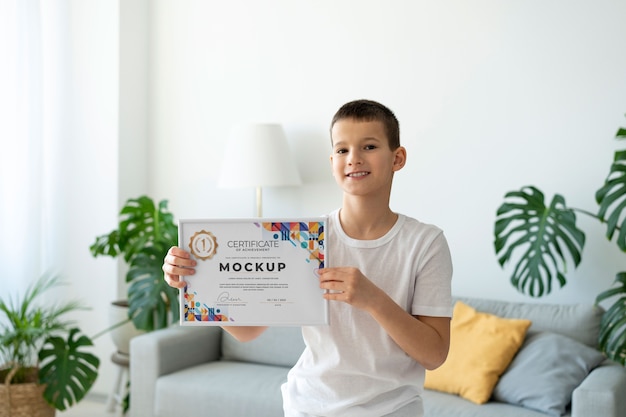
[544, 239]
[144, 234]
[38, 346]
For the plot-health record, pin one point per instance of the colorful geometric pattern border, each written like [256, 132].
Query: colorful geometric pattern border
[308, 236]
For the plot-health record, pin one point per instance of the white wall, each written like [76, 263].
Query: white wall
[491, 96]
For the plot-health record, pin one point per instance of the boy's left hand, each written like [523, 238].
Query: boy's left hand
[349, 285]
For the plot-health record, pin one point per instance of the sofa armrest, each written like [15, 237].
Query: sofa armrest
[165, 351]
[602, 393]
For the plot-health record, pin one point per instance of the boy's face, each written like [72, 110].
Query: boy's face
[362, 162]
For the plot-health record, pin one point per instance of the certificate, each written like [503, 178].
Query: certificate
[254, 272]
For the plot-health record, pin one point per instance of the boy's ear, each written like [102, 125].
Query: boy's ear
[399, 158]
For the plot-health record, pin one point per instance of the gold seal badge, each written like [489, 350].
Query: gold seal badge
[203, 245]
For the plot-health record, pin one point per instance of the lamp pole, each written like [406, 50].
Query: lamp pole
[259, 201]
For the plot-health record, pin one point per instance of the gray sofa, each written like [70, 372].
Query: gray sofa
[204, 371]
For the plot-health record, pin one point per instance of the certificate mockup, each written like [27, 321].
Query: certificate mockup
[254, 272]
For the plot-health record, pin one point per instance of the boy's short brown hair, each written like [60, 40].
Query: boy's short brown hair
[368, 110]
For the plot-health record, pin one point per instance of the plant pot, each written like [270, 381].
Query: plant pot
[122, 335]
[24, 399]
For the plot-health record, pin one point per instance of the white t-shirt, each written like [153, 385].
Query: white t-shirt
[352, 367]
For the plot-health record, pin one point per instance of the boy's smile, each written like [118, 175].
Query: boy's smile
[358, 174]
[362, 162]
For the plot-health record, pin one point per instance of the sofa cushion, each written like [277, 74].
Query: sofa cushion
[280, 346]
[481, 347]
[545, 372]
[439, 404]
[581, 322]
[221, 389]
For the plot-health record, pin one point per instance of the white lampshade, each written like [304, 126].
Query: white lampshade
[258, 155]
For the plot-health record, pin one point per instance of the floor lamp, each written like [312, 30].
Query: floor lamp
[258, 155]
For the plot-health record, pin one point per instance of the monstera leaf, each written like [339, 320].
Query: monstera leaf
[67, 371]
[612, 201]
[141, 224]
[612, 197]
[145, 233]
[612, 339]
[544, 233]
[150, 298]
[549, 233]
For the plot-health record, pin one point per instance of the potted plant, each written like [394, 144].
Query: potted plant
[44, 364]
[550, 240]
[144, 234]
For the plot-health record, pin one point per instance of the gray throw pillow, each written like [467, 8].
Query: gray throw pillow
[545, 372]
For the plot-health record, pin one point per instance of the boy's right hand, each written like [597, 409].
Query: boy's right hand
[177, 264]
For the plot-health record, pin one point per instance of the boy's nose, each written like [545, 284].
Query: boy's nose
[354, 159]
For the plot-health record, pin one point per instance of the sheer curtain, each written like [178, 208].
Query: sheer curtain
[59, 104]
[27, 159]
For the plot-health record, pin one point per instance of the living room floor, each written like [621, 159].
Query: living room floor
[91, 406]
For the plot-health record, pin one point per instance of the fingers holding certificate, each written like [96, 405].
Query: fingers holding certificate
[251, 272]
[176, 265]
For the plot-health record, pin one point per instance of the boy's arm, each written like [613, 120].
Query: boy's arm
[426, 339]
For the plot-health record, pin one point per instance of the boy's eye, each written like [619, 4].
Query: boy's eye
[341, 150]
[368, 147]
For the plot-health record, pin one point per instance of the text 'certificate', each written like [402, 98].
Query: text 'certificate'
[254, 272]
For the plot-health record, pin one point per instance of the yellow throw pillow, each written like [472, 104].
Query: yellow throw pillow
[482, 346]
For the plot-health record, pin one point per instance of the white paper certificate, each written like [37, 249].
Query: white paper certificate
[254, 272]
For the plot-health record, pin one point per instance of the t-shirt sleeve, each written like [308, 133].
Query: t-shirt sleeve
[433, 293]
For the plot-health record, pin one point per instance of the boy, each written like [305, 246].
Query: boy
[389, 286]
